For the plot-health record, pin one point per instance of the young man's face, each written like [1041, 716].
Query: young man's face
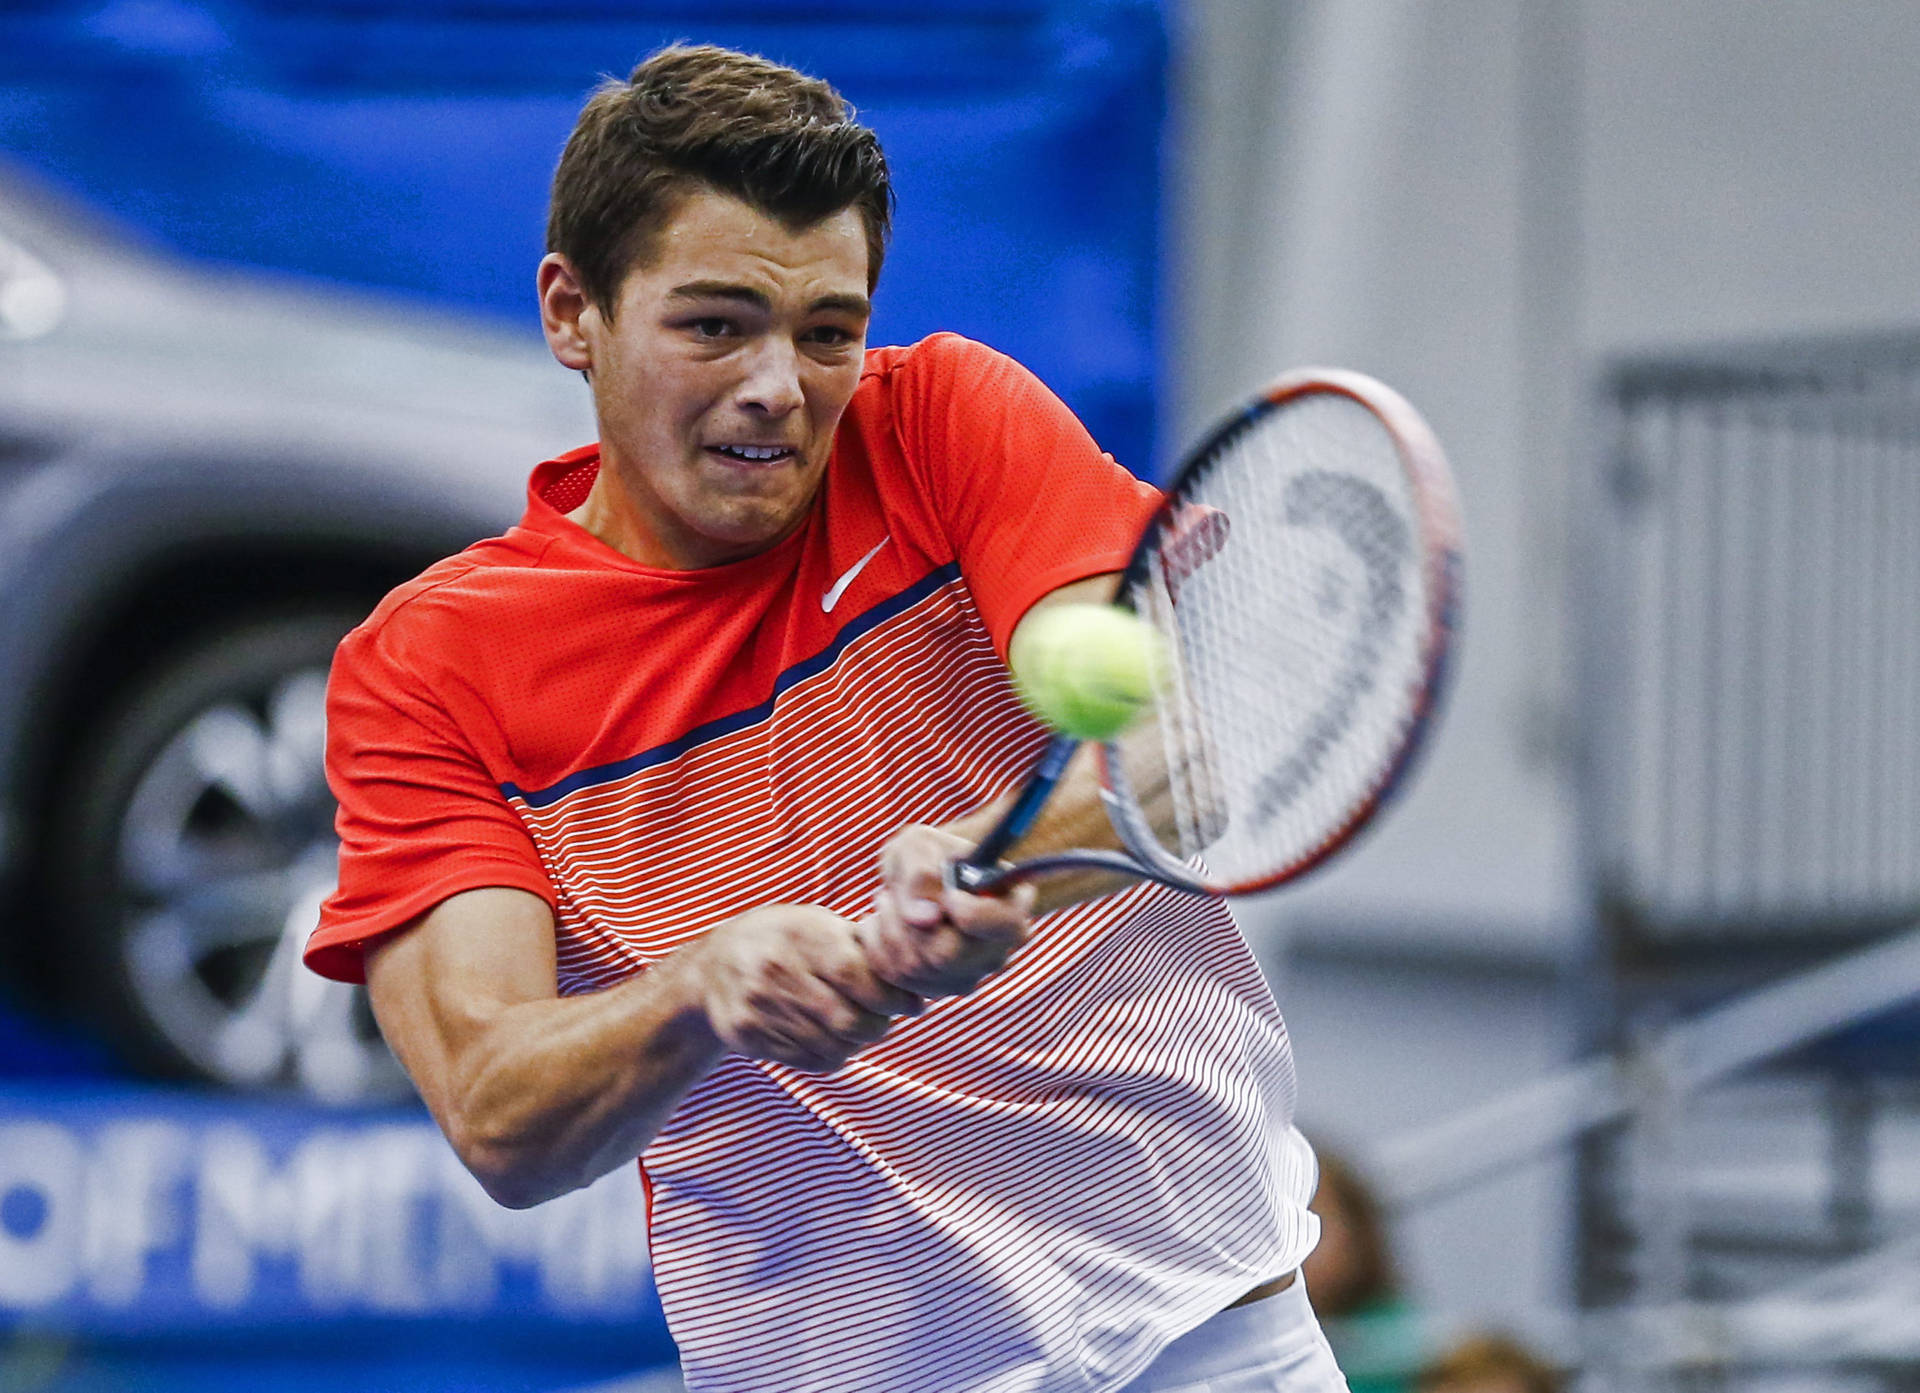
[720, 380]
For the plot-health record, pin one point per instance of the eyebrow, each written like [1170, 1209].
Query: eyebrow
[858, 305]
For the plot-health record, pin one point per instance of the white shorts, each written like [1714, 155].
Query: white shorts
[1269, 1346]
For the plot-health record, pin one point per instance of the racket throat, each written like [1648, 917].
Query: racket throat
[1018, 819]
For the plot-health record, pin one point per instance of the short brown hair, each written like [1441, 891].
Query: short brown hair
[1369, 1256]
[1489, 1360]
[693, 117]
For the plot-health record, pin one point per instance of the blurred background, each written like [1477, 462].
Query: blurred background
[1608, 1027]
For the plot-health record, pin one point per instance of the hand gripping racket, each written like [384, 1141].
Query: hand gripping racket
[1303, 572]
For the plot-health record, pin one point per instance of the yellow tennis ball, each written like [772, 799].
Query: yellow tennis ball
[1086, 670]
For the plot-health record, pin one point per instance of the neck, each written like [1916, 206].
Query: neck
[648, 537]
[623, 528]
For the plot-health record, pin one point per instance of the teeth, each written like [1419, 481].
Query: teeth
[754, 452]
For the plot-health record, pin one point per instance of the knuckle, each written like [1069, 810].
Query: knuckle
[759, 1045]
[832, 1055]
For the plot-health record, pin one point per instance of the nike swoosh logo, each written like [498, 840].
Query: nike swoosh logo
[839, 587]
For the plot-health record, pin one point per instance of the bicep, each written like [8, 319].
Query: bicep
[439, 985]
[1092, 590]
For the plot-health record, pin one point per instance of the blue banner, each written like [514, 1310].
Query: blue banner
[137, 1212]
[408, 144]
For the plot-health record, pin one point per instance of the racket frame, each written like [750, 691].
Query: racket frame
[983, 871]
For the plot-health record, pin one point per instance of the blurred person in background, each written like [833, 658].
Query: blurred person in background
[1354, 1286]
[1489, 1364]
[645, 807]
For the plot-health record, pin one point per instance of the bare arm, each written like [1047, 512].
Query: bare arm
[541, 1094]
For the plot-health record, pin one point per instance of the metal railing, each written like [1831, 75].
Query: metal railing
[1430, 1163]
[1865, 1310]
[1748, 613]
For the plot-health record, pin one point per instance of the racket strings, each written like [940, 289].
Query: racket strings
[1184, 746]
[1290, 592]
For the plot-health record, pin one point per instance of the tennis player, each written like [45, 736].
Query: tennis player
[644, 803]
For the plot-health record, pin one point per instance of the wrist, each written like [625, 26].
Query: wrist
[684, 982]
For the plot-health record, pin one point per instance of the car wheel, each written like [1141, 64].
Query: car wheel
[194, 846]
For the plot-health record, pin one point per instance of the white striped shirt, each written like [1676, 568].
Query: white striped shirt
[1032, 1187]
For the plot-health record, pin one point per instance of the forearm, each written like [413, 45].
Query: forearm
[542, 1094]
[553, 1094]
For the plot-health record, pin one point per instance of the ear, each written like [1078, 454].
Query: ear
[568, 315]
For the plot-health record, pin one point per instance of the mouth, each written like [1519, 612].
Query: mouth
[754, 455]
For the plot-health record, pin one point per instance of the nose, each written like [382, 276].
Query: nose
[772, 382]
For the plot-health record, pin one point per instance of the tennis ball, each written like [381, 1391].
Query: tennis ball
[1086, 670]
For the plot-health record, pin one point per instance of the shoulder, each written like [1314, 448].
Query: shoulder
[438, 609]
[946, 387]
[942, 350]
[941, 353]
[451, 582]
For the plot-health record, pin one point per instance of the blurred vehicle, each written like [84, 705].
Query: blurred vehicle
[206, 478]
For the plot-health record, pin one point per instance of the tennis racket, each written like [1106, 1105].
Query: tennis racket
[1303, 573]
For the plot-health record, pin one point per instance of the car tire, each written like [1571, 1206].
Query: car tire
[191, 849]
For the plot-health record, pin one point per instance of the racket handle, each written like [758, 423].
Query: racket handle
[990, 880]
[978, 880]
[1016, 820]
[984, 871]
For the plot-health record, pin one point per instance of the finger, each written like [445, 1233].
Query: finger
[823, 1064]
[810, 1001]
[871, 993]
[874, 992]
[820, 1029]
[956, 964]
[822, 1016]
[920, 905]
[808, 1056]
[888, 947]
[890, 928]
[916, 959]
[873, 977]
[834, 1013]
[991, 918]
[914, 866]
[853, 1004]
[760, 1040]
[849, 1023]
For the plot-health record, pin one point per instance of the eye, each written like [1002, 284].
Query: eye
[828, 336]
[710, 327]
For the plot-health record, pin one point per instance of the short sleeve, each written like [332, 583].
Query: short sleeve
[1027, 499]
[419, 819]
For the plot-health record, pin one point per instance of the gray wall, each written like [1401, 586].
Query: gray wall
[1478, 201]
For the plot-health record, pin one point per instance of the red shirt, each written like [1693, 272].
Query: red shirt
[1065, 1168]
